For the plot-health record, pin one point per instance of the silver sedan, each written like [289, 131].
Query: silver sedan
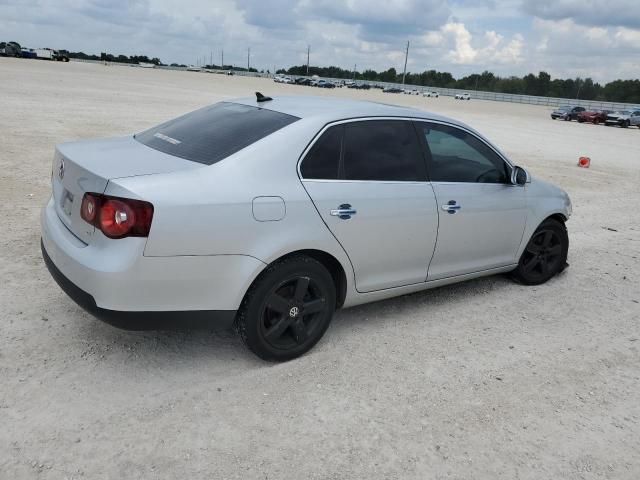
[270, 214]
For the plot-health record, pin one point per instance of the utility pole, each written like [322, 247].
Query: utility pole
[248, 57]
[211, 58]
[579, 87]
[355, 65]
[406, 56]
[308, 50]
[222, 59]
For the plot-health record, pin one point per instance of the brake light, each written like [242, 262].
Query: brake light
[117, 217]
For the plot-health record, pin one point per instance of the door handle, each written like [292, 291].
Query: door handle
[344, 211]
[451, 207]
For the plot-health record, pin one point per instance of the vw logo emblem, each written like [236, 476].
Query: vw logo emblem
[293, 313]
[61, 169]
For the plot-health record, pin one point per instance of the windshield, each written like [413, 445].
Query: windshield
[213, 133]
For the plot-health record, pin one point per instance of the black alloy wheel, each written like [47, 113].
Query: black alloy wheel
[292, 312]
[545, 255]
[287, 309]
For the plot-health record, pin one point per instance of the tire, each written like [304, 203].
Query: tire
[567, 118]
[626, 124]
[580, 120]
[596, 121]
[545, 254]
[287, 309]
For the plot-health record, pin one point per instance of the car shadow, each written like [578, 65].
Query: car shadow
[188, 347]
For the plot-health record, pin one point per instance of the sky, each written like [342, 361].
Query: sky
[566, 38]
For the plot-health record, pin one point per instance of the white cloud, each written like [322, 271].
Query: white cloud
[614, 13]
[492, 51]
[565, 37]
[566, 48]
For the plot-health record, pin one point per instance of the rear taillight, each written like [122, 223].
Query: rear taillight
[117, 217]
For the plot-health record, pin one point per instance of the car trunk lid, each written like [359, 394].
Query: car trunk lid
[87, 166]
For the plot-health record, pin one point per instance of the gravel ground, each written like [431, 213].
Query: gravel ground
[485, 379]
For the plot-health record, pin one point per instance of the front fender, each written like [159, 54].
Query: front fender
[544, 200]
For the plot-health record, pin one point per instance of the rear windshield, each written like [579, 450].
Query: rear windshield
[212, 133]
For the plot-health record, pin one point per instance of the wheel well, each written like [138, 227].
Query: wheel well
[558, 217]
[331, 264]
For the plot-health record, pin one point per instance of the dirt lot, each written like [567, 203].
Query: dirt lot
[485, 379]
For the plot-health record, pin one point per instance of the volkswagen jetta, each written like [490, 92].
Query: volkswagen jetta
[270, 214]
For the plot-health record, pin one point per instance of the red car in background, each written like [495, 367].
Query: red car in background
[593, 116]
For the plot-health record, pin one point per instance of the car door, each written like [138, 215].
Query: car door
[482, 215]
[367, 179]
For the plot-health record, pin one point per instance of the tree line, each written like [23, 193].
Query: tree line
[623, 91]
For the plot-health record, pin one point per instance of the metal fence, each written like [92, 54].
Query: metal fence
[446, 92]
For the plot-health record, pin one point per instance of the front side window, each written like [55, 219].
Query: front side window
[458, 156]
[384, 150]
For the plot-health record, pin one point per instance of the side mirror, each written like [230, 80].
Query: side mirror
[519, 176]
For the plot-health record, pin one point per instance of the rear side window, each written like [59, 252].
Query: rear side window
[382, 150]
[324, 157]
[213, 133]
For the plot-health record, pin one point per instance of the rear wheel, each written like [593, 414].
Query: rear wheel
[545, 255]
[287, 309]
[626, 124]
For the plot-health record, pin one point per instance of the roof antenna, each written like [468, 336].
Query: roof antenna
[261, 98]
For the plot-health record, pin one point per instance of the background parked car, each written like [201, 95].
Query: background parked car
[462, 96]
[567, 113]
[593, 116]
[431, 94]
[324, 84]
[392, 90]
[624, 118]
[413, 91]
[303, 81]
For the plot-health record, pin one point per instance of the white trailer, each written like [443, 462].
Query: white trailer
[45, 53]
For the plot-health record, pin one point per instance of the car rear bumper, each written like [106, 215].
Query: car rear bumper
[115, 276]
[139, 320]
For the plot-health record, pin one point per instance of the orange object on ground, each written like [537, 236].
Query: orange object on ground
[584, 162]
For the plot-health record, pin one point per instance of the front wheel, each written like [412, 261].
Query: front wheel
[545, 255]
[287, 309]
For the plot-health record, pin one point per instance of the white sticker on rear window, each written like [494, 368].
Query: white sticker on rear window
[166, 138]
